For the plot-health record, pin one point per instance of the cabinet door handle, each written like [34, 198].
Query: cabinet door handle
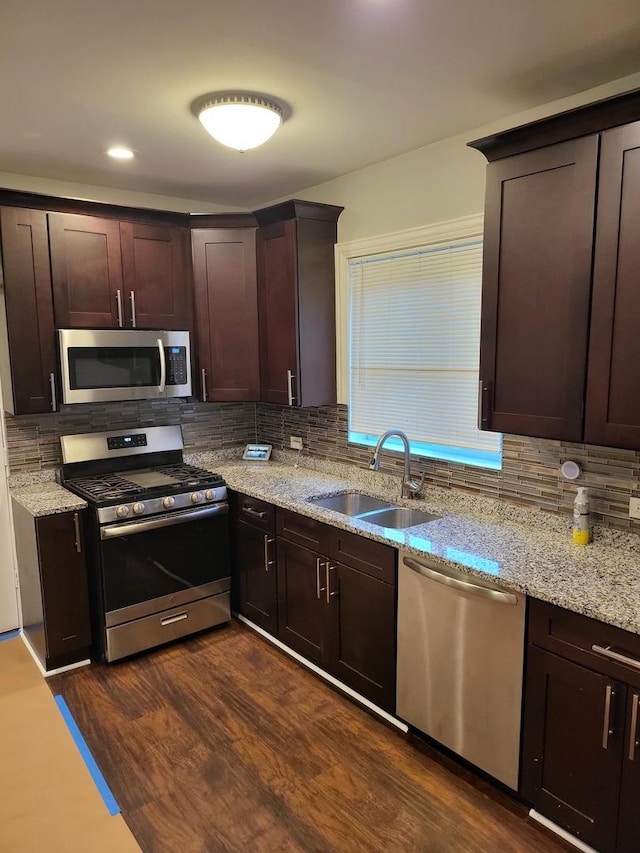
[54, 399]
[329, 568]
[119, 306]
[254, 512]
[267, 561]
[608, 652]
[203, 379]
[132, 297]
[291, 395]
[607, 731]
[484, 413]
[633, 732]
[76, 524]
[319, 589]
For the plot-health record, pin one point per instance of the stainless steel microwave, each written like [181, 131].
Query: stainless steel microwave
[101, 365]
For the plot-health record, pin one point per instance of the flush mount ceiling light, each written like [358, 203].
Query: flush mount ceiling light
[239, 120]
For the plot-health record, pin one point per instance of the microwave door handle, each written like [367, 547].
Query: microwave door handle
[162, 387]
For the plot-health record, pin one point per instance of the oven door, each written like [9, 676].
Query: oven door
[102, 365]
[166, 561]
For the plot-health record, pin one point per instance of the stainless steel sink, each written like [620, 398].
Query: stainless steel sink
[374, 510]
[398, 517]
[351, 503]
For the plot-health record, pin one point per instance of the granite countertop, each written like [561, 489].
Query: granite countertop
[46, 498]
[524, 550]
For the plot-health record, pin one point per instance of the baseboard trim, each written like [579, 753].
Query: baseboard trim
[385, 715]
[47, 673]
[558, 830]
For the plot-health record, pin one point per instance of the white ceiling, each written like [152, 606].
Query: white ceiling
[366, 80]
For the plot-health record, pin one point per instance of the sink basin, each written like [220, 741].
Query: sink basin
[398, 517]
[351, 503]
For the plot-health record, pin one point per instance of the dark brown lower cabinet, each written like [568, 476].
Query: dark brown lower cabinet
[53, 586]
[581, 758]
[302, 617]
[339, 616]
[256, 576]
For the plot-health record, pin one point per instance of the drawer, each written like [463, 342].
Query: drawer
[302, 530]
[372, 558]
[256, 512]
[572, 636]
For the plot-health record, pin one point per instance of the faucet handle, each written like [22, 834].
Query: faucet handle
[413, 488]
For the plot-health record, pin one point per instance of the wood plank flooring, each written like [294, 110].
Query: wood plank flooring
[222, 743]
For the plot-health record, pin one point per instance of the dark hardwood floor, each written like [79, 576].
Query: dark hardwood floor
[223, 743]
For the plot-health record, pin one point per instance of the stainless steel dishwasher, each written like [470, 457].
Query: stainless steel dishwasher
[460, 663]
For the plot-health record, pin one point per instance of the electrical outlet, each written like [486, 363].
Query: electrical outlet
[634, 507]
[295, 442]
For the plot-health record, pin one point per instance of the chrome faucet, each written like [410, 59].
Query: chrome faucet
[410, 488]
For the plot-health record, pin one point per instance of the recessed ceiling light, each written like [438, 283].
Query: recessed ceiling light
[120, 153]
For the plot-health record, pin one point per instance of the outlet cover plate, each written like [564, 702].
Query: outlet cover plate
[634, 508]
[296, 443]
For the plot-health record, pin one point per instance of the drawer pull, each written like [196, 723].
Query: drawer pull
[607, 731]
[254, 512]
[633, 732]
[169, 620]
[608, 652]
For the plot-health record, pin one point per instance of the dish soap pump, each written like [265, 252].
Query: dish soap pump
[581, 521]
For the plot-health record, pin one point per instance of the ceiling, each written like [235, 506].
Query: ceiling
[365, 80]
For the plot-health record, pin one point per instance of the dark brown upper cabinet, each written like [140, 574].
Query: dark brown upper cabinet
[27, 343]
[296, 302]
[156, 275]
[86, 269]
[108, 273]
[226, 306]
[559, 342]
[613, 390]
[539, 217]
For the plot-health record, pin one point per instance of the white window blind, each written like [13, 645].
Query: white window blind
[414, 320]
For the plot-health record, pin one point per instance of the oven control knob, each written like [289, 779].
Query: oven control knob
[196, 497]
[122, 511]
[138, 508]
[168, 502]
[209, 494]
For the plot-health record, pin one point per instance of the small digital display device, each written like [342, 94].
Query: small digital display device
[122, 442]
[257, 452]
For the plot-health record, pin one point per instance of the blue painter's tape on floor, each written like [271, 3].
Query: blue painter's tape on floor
[89, 760]
[9, 635]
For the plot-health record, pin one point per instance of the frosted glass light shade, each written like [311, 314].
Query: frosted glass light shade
[240, 121]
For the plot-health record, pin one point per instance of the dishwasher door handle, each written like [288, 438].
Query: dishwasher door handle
[455, 583]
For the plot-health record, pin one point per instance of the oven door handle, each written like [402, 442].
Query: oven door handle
[112, 531]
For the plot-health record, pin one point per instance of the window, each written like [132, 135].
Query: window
[413, 340]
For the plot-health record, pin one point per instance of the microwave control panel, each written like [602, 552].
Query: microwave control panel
[176, 360]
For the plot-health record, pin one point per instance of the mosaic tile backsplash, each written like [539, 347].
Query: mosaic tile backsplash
[33, 440]
[530, 475]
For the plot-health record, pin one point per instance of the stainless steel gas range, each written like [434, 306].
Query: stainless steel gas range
[157, 538]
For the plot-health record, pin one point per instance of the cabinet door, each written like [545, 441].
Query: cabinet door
[278, 317]
[629, 815]
[572, 747]
[29, 359]
[86, 270]
[536, 283]
[303, 614]
[613, 390]
[256, 575]
[64, 587]
[155, 267]
[363, 647]
[226, 299]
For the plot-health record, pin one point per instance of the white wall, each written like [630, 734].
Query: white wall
[442, 181]
[109, 195]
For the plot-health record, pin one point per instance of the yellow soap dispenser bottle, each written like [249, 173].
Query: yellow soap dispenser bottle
[581, 520]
